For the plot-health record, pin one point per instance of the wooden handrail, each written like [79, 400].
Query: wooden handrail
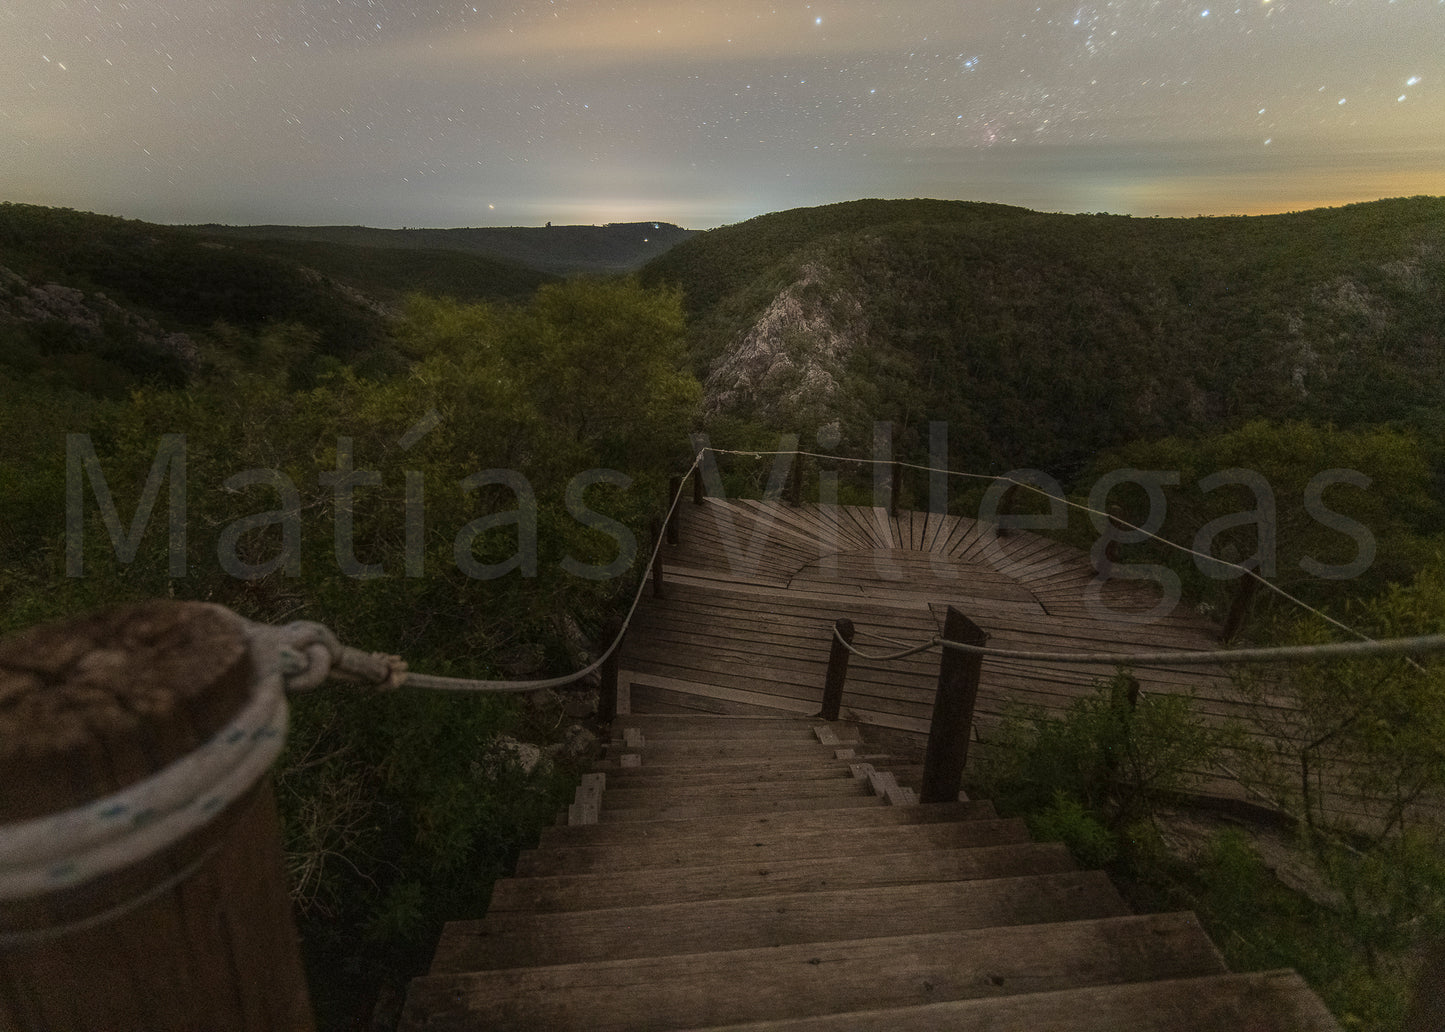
[953, 704]
[837, 669]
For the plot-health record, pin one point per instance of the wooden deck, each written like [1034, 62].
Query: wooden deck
[753, 590]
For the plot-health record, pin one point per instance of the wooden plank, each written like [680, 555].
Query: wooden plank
[1270, 1001]
[660, 791]
[730, 806]
[811, 979]
[735, 880]
[510, 940]
[770, 774]
[766, 850]
[756, 829]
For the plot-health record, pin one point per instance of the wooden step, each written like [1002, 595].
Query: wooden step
[520, 940]
[729, 807]
[803, 731]
[687, 992]
[1269, 1001]
[762, 774]
[621, 888]
[681, 765]
[671, 792]
[675, 721]
[690, 832]
[766, 849]
[731, 750]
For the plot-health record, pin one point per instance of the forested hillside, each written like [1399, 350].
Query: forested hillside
[1044, 338]
[103, 304]
[291, 431]
[617, 247]
[455, 459]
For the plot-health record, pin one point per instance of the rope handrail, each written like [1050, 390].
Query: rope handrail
[1116, 520]
[337, 660]
[1418, 645]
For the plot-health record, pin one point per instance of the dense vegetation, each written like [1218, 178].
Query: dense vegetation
[1077, 346]
[1041, 339]
[469, 538]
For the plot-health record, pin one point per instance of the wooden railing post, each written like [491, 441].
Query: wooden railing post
[837, 669]
[895, 489]
[1004, 504]
[697, 486]
[607, 689]
[947, 751]
[1239, 609]
[188, 925]
[674, 487]
[657, 591]
[795, 482]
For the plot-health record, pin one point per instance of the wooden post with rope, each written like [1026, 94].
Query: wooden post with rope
[1239, 608]
[657, 588]
[952, 723]
[674, 514]
[607, 688]
[837, 669]
[1005, 503]
[795, 482]
[198, 933]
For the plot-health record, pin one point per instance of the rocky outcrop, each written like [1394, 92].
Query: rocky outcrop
[792, 356]
[90, 316]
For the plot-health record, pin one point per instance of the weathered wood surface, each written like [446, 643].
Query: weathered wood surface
[91, 707]
[1268, 1000]
[842, 842]
[834, 913]
[675, 992]
[634, 887]
[506, 940]
[755, 589]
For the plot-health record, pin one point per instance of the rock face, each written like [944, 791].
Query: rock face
[92, 317]
[792, 357]
[527, 755]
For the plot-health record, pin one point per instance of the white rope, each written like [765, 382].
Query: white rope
[413, 680]
[1246, 571]
[1219, 657]
[1420, 645]
[67, 849]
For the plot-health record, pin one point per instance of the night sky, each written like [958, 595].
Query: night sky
[393, 114]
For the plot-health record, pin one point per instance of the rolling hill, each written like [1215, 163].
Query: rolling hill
[1042, 339]
[558, 250]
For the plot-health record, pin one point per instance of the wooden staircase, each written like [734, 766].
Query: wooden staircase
[750, 872]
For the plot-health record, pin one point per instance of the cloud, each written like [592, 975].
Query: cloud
[665, 33]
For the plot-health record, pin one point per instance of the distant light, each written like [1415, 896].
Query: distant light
[1400, 99]
[491, 207]
[1204, 13]
[818, 21]
[1344, 99]
[1414, 80]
